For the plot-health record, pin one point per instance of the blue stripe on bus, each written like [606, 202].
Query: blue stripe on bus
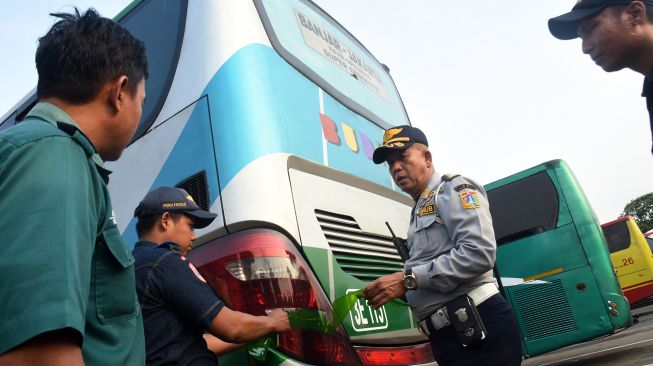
[260, 105]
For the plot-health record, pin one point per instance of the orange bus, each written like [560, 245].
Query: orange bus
[631, 257]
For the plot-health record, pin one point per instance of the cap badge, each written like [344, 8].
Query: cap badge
[389, 134]
[389, 139]
[190, 198]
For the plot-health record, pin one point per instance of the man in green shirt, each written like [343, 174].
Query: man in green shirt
[67, 290]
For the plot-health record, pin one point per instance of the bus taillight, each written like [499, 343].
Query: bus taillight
[388, 356]
[261, 269]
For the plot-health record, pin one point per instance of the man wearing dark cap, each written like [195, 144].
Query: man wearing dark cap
[177, 304]
[447, 278]
[616, 34]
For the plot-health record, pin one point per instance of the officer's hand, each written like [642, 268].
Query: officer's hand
[384, 289]
[279, 319]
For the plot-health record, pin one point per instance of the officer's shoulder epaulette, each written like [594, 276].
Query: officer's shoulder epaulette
[465, 185]
[446, 178]
[449, 177]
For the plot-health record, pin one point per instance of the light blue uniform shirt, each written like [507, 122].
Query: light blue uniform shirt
[451, 243]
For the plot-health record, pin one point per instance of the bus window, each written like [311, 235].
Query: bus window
[19, 114]
[8, 122]
[524, 208]
[631, 257]
[326, 53]
[161, 28]
[552, 260]
[617, 235]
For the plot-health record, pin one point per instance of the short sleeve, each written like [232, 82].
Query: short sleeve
[185, 290]
[48, 222]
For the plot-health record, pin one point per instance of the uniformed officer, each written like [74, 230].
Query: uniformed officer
[452, 251]
[67, 292]
[178, 306]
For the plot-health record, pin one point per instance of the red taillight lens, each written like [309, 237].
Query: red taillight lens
[261, 269]
[408, 355]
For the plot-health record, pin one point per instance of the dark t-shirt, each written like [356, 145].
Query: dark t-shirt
[648, 93]
[177, 305]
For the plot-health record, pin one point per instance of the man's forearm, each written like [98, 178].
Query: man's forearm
[56, 348]
[236, 327]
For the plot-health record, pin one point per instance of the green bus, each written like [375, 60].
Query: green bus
[553, 263]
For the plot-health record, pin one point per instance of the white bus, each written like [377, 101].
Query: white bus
[267, 112]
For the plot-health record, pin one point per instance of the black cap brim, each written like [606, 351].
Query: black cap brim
[201, 218]
[565, 26]
[381, 153]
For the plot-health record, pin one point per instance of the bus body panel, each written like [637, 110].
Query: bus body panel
[198, 62]
[177, 149]
[552, 313]
[542, 256]
[556, 274]
[594, 243]
[631, 257]
[350, 247]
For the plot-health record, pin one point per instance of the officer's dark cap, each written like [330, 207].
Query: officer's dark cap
[398, 138]
[172, 199]
[566, 25]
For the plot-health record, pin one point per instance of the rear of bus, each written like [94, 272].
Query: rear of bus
[267, 112]
[552, 260]
[631, 257]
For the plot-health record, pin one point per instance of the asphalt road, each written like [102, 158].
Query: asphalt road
[630, 347]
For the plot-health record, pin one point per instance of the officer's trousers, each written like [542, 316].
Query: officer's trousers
[501, 347]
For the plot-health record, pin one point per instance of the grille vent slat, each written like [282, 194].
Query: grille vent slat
[336, 219]
[344, 235]
[198, 188]
[365, 256]
[344, 243]
[341, 252]
[544, 321]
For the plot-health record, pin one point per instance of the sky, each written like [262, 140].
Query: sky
[494, 92]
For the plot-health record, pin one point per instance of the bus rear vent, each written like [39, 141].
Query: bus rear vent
[543, 320]
[365, 256]
[197, 187]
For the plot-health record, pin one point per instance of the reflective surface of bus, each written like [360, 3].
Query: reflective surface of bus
[552, 259]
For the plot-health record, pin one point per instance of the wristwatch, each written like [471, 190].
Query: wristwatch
[410, 281]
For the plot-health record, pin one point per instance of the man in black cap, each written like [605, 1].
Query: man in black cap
[447, 278]
[616, 34]
[177, 304]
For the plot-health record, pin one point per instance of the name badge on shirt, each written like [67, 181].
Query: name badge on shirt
[426, 210]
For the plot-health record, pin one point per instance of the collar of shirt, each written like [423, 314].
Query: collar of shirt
[166, 245]
[54, 115]
[647, 89]
[433, 180]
